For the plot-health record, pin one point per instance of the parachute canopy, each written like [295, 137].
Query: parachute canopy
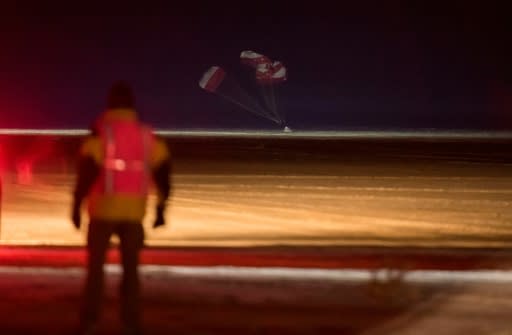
[271, 73]
[253, 59]
[267, 71]
[266, 74]
[215, 80]
[212, 79]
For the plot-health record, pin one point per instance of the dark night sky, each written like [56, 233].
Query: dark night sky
[376, 65]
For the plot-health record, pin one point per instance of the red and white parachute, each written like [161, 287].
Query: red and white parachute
[272, 73]
[266, 70]
[215, 80]
[212, 78]
[253, 59]
[267, 73]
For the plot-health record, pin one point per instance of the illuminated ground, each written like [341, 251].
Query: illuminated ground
[437, 214]
[383, 198]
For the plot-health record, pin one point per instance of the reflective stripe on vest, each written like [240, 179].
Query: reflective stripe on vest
[126, 167]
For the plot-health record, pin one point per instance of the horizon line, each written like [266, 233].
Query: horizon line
[299, 134]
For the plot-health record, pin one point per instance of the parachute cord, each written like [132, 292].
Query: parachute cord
[279, 110]
[274, 105]
[230, 88]
[267, 96]
[265, 115]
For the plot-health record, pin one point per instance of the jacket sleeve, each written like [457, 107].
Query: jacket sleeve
[162, 178]
[87, 171]
[162, 170]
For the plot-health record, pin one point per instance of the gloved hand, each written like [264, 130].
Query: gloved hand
[159, 220]
[76, 217]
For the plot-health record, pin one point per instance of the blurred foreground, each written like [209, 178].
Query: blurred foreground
[368, 292]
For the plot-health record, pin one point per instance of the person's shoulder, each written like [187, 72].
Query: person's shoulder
[91, 146]
[160, 150]
[160, 144]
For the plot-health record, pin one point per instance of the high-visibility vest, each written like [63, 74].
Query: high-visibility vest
[126, 164]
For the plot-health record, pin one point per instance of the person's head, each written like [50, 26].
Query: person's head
[120, 95]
